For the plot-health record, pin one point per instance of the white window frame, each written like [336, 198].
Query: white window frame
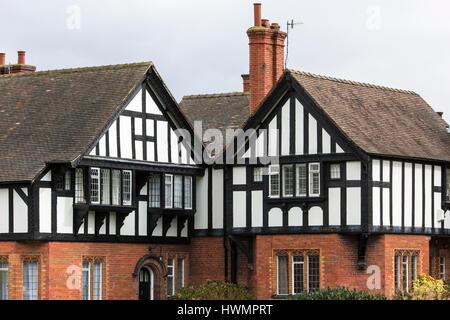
[180, 281]
[291, 166]
[95, 177]
[405, 272]
[188, 178]
[274, 170]
[128, 202]
[88, 270]
[171, 275]
[171, 191]
[311, 173]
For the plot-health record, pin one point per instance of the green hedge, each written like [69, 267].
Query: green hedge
[214, 290]
[340, 293]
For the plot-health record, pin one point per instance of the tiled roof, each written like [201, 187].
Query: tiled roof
[55, 115]
[217, 111]
[380, 120]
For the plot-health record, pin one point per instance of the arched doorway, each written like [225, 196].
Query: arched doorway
[146, 284]
[149, 278]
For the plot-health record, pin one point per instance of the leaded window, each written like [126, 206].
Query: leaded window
[85, 281]
[3, 280]
[105, 185]
[274, 181]
[257, 174]
[97, 281]
[288, 181]
[314, 179]
[180, 273]
[116, 194]
[335, 171]
[67, 180]
[95, 185]
[298, 269]
[170, 277]
[79, 186]
[154, 190]
[92, 278]
[283, 278]
[126, 187]
[30, 280]
[313, 272]
[405, 269]
[178, 192]
[168, 190]
[188, 192]
[301, 180]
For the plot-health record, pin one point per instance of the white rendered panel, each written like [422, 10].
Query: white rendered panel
[150, 127]
[143, 191]
[312, 124]
[354, 206]
[113, 140]
[285, 128]
[334, 206]
[418, 198]
[142, 218]
[397, 194]
[174, 146]
[217, 199]
[151, 105]
[386, 207]
[376, 170]
[428, 189]
[125, 137]
[112, 223]
[315, 216]
[91, 222]
[45, 210]
[386, 171]
[376, 209]
[138, 126]
[20, 216]
[257, 208]
[102, 229]
[102, 146]
[438, 212]
[139, 150]
[326, 142]
[239, 175]
[273, 137]
[299, 134]
[135, 103]
[201, 216]
[339, 149]
[157, 232]
[295, 217]
[48, 176]
[239, 209]
[275, 217]
[129, 226]
[163, 148]
[353, 169]
[150, 151]
[408, 195]
[4, 210]
[437, 176]
[184, 230]
[172, 231]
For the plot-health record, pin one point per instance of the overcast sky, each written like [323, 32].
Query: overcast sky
[201, 46]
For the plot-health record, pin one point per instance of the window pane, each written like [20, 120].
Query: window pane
[168, 190]
[95, 185]
[298, 269]
[301, 179]
[126, 187]
[397, 271]
[257, 175]
[170, 274]
[288, 180]
[405, 273]
[442, 267]
[178, 192]
[413, 268]
[116, 187]
[313, 272]
[3, 280]
[274, 181]
[335, 171]
[97, 281]
[180, 273]
[188, 192]
[154, 189]
[30, 281]
[85, 281]
[79, 186]
[283, 287]
[314, 179]
[105, 185]
[67, 180]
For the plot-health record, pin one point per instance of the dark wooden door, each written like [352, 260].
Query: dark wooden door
[144, 284]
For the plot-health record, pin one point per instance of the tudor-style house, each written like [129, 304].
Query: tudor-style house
[103, 194]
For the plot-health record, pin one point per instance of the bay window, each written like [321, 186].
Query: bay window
[177, 191]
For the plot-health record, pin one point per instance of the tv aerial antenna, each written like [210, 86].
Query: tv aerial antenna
[289, 26]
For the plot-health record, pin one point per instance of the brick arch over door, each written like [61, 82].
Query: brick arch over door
[159, 273]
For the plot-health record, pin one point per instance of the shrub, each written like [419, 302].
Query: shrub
[340, 293]
[425, 288]
[214, 290]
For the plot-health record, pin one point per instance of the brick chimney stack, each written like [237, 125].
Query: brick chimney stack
[266, 55]
[20, 67]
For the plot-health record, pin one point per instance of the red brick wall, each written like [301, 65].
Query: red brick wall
[207, 259]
